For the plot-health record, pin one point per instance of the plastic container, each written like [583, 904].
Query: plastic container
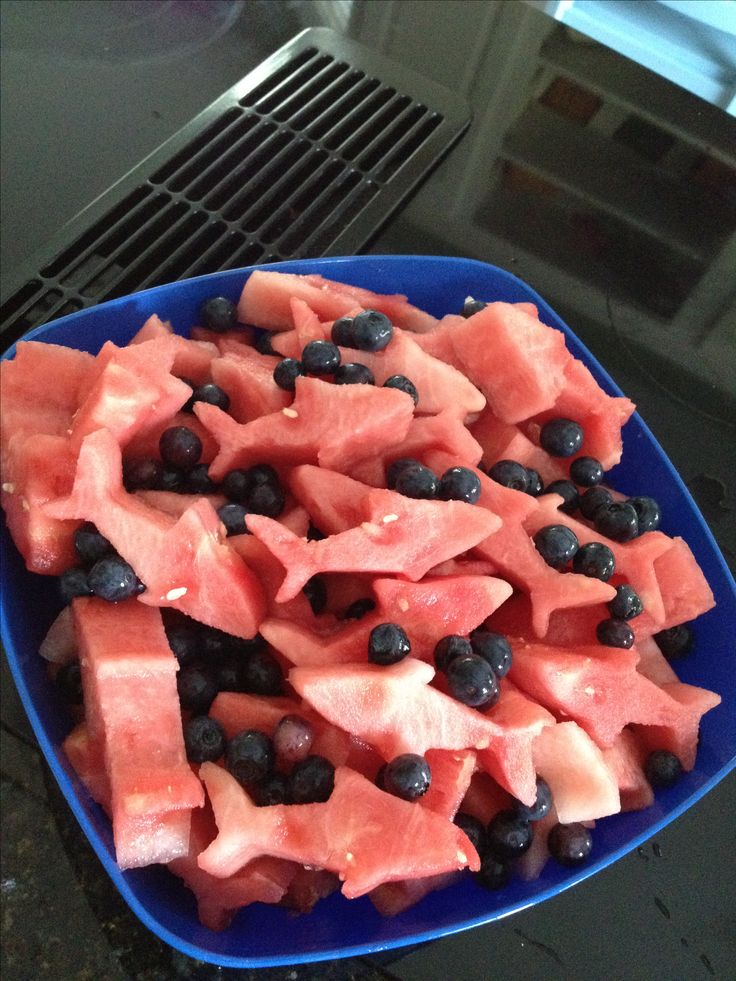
[262, 936]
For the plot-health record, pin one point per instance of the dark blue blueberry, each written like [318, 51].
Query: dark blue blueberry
[493, 648]
[261, 674]
[211, 394]
[250, 757]
[258, 488]
[509, 834]
[459, 484]
[615, 633]
[286, 373]
[314, 534]
[172, 479]
[676, 641]
[388, 644]
[594, 560]
[473, 828]
[662, 769]
[586, 471]
[112, 579]
[311, 780]
[185, 640]
[218, 314]
[233, 517]
[592, 500]
[626, 604]
[407, 776]
[214, 643]
[197, 687]
[320, 358]
[617, 521]
[450, 647]
[342, 332]
[371, 331]
[648, 513]
[90, 545]
[494, 873]
[69, 683]
[535, 487]
[198, 481]
[396, 468]
[316, 592]
[557, 544]
[568, 492]
[542, 803]
[273, 789]
[404, 385]
[292, 739]
[263, 345]
[561, 437]
[358, 609]
[354, 374]
[511, 474]
[228, 673]
[142, 475]
[204, 739]
[418, 482]
[471, 681]
[471, 306]
[74, 582]
[180, 447]
[380, 775]
[570, 844]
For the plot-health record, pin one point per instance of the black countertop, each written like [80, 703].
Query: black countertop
[87, 90]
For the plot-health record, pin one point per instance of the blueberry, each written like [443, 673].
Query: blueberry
[211, 394]
[542, 803]
[418, 482]
[404, 385]
[511, 474]
[197, 687]
[648, 513]
[662, 769]
[342, 332]
[471, 681]
[354, 374]
[90, 545]
[172, 479]
[473, 828]
[316, 592]
[258, 488]
[371, 331]
[626, 604]
[142, 475]
[69, 683]
[471, 306]
[494, 873]
[592, 500]
[568, 492]
[314, 534]
[286, 373]
[570, 844]
[493, 648]
[459, 484]
[250, 757]
[675, 642]
[594, 560]
[407, 776]
[617, 521]
[450, 647]
[273, 789]
[292, 739]
[198, 481]
[586, 471]
[534, 486]
[311, 780]
[180, 447]
[561, 437]
[185, 641]
[218, 314]
[261, 674]
[509, 834]
[379, 778]
[396, 468]
[263, 345]
[358, 609]
[228, 674]
[113, 579]
[204, 739]
[320, 358]
[72, 583]
[557, 544]
[615, 633]
[388, 644]
[233, 517]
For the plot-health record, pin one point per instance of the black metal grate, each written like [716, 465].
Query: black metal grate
[308, 155]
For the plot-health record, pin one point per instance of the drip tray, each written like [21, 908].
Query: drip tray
[308, 155]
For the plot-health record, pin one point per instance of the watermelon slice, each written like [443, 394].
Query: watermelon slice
[680, 735]
[87, 758]
[247, 378]
[626, 761]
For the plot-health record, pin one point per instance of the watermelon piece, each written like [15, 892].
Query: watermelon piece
[484, 797]
[582, 784]
[680, 735]
[152, 329]
[333, 500]
[416, 536]
[266, 301]
[234, 340]
[652, 662]
[438, 341]
[309, 886]
[247, 378]
[683, 587]
[626, 761]
[175, 504]
[529, 866]
[59, 646]
[186, 564]
[87, 758]
[363, 834]
[505, 441]
[333, 425]
[271, 575]
[515, 360]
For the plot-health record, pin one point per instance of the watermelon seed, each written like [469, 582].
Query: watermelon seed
[175, 594]
[369, 528]
[290, 413]
[9, 488]
[462, 857]
[24, 504]
[388, 518]
[403, 604]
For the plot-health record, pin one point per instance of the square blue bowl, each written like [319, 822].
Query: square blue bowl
[263, 936]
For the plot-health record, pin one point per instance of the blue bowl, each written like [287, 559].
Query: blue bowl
[263, 936]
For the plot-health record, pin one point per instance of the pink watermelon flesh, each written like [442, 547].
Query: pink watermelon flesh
[87, 758]
[626, 761]
[152, 329]
[484, 797]
[680, 735]
[309, 886]
[247, 378]
[505, 441]
[145, 445]
[59, 646]
[334, 500]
